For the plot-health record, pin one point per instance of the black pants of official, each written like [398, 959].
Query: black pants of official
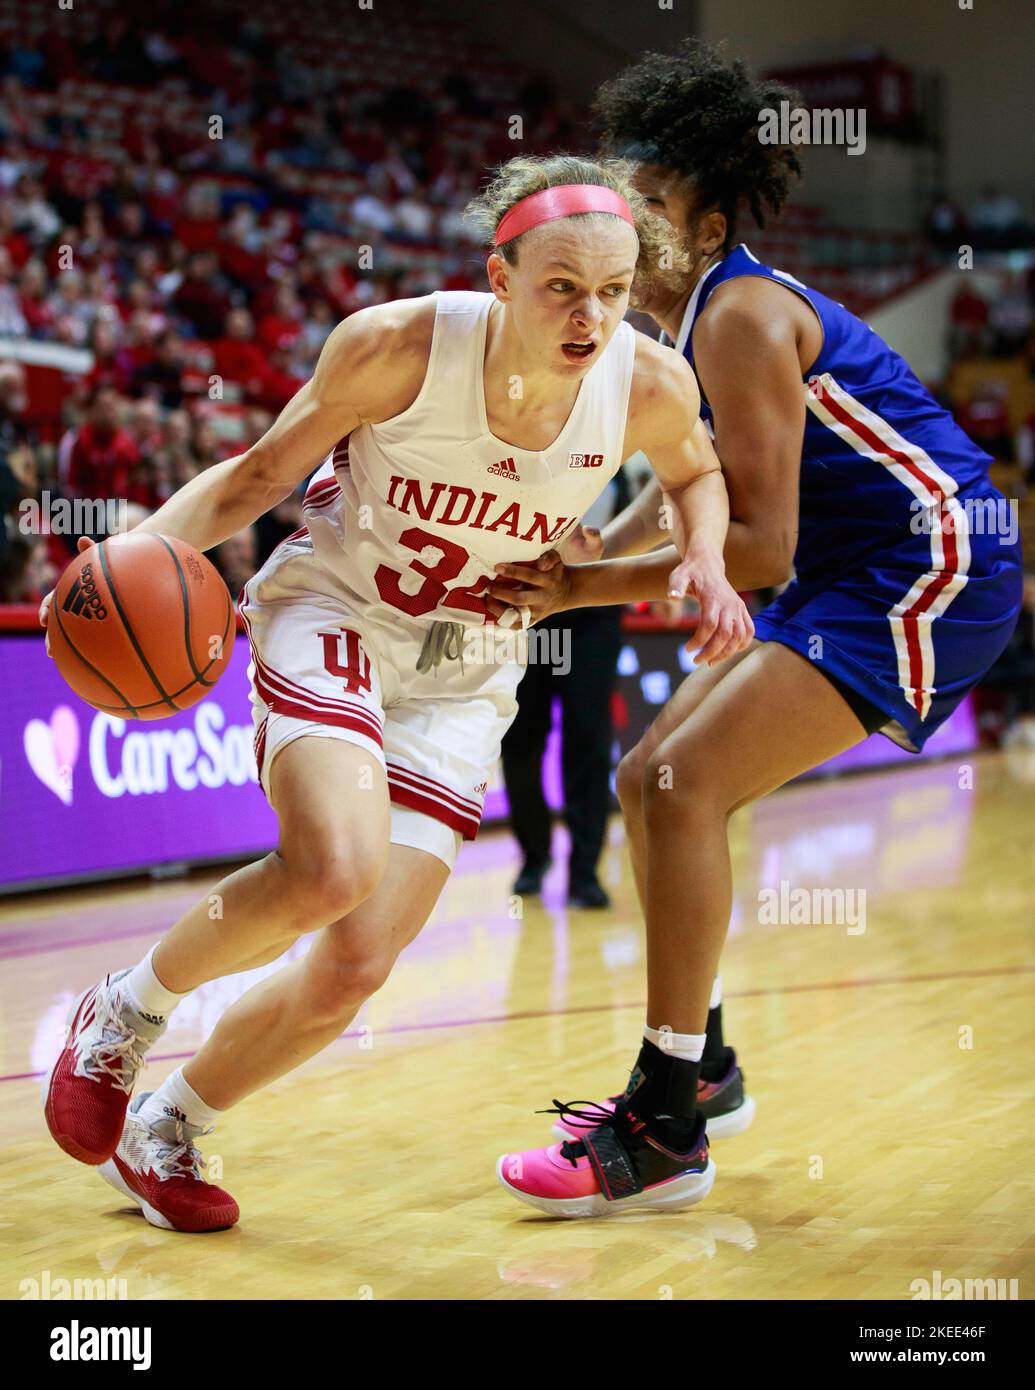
[586, 736]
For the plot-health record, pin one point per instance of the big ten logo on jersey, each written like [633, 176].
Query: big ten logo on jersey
[585, 460]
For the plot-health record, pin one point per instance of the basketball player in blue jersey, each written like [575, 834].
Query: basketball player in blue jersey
[840, 467]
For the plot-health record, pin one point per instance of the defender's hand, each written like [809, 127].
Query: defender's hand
[543, 588]
[725, 626]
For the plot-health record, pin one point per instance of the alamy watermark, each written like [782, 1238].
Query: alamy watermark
[50, 1287]
[536, 646]
[820, 125]
[72, 516]
[938, 1287]
[973, 516]
[827, 907]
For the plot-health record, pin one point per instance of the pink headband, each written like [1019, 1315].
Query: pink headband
[562, 201]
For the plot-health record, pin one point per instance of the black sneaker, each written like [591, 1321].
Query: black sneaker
[529, 882]
[722, 1099]
[587, 893]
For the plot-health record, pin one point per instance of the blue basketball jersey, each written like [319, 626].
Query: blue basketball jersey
[901, 591]
[878, 448]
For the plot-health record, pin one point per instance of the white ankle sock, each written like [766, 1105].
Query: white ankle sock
[176, 1095]
[688, 1047]
[146, 993]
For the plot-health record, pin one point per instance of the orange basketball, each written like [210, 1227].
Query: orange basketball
[141, 626]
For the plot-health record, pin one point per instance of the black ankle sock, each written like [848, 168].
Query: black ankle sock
[661, 1084]
[714, 1045]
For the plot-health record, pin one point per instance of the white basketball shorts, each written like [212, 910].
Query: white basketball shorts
[326, 663]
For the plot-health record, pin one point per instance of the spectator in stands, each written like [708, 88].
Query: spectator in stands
[986, 419]
[968, 322]
[26, 572]
[13, 323]
[202, 296]
[74, 312]
[1010, 318]
[17, 464]
[98, 458]
[31, 213]
[14, 401]
[162, 376]
[995, 219]
[36, 308]
[316, 328]
[283, 326]
[1025, 450]
[238, 357]
[235, 559]
[945, 223]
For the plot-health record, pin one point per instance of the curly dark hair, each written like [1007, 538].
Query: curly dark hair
[697, 111]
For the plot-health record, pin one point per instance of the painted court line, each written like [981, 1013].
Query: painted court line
[996, 972]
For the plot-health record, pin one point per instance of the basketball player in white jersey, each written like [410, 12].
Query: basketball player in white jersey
[460, 431]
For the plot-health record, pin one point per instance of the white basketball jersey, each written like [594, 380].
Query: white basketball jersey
[414, 513]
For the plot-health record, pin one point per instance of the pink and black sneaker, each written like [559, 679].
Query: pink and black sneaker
[89, 1086]
[725, 1105]
[616, 1163]
[157, 1165]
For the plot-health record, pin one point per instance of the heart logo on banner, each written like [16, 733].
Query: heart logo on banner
[52, 750]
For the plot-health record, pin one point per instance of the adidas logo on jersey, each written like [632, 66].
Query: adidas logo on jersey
[504, 469]
[585, 460]
[83, 599]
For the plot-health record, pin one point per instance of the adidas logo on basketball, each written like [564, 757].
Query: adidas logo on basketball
[585, 460]
[505, 469]
[83, 599]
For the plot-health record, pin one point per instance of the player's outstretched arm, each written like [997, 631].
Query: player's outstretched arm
[636, 528]
[371, 368]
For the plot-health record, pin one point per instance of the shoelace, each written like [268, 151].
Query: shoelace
[443, 642]
[596, 1115]
[180, 1159]
[112, 1056]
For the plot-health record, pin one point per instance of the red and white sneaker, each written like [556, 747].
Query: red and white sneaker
[724, 1103]
[89, 1086]
[615, 1166]
[157, 1165]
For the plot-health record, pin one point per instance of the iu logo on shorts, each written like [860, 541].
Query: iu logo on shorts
[356, 671]
[585, 460]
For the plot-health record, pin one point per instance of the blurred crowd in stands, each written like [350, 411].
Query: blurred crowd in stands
[202, 261]
[180, 271]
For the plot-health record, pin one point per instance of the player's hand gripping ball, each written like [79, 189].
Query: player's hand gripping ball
[140, 626]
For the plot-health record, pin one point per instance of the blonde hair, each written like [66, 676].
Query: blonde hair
[662, 261]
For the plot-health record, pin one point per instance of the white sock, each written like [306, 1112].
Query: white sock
[146, 993]
[716, 999]
[688, 1047]
[176, 1095]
